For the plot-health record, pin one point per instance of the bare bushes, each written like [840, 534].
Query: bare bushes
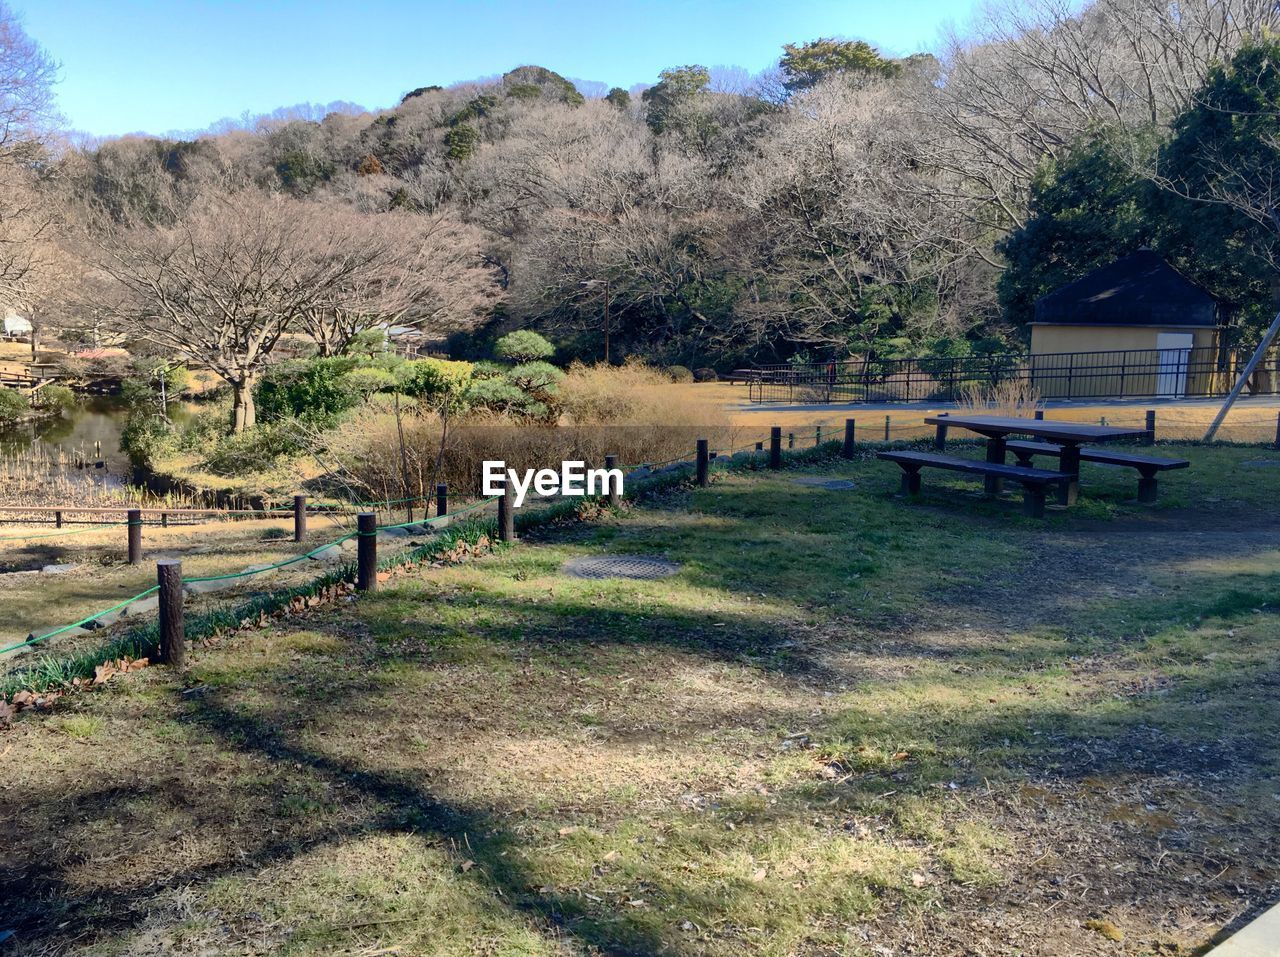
[1015, 397]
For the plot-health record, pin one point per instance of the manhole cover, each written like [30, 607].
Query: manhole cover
[620, 566]
[831, 485]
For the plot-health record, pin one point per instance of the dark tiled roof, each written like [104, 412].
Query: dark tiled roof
[1139, 290]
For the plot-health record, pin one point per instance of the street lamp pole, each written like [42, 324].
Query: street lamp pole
[591, 283]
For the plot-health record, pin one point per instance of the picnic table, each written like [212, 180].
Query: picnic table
[1069, 435]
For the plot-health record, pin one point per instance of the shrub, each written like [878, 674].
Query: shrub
[503, 395]
[13, 406]
[523, 345]
[255, 450]
[439, 384]
[146, 438]
[537, 378]
[366, 381]
[629, 411]
[314, 390]
[679, 374]
[705, 375]
[54, 398]
[150, 379]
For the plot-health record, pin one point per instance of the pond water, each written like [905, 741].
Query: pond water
[78, 450]
[95, 424]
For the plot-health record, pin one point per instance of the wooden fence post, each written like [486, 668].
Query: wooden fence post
[1150, 437]
[442, 500]
[1039, 413]
[611, 462]
[173, 648]
[1278, 430]
[506, 517]
[366, 551]
[886, 428]
[57, 519]
[791, 440]
[135, 535]
[846, 450]
[704, 462]
[775, 445]
[299, 517]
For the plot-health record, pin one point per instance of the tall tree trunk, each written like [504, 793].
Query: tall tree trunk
[243, 414]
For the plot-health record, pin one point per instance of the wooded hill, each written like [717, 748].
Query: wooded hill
[843, 202]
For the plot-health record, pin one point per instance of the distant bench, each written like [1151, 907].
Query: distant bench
[1147, 465]
[1034, 481]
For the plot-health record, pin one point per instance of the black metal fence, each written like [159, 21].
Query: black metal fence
[1131, 373]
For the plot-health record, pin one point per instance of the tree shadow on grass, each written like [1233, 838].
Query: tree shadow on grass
[570, 634]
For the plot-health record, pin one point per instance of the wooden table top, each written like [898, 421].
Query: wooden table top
[1052, 429]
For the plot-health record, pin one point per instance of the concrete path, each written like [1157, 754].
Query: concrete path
[1259, 939]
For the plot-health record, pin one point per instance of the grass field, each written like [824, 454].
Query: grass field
[851, 724]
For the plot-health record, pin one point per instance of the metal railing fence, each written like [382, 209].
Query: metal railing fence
[1200, 372]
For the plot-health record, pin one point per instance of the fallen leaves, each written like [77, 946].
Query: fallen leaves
[22, 700]
[323, 596]
[109, 669]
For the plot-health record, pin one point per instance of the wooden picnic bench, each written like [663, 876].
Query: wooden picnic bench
[1034, 481]
[1069, 435]
[1148, 466]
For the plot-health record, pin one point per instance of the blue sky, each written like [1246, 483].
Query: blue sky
[160, 65]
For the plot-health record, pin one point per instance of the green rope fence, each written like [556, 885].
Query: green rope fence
[82, 622]
[242, 574]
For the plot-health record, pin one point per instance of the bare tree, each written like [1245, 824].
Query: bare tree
[427, 272]
[1032, 76]
[27, 75]
[26, 113]
[226, 280]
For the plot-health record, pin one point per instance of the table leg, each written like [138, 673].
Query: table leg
[995, 453]
[1069, 490]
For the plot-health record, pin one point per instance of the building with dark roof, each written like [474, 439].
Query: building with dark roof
[1160, 332]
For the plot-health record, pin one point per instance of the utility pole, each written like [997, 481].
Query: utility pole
[591, 283]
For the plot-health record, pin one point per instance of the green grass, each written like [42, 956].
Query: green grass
[849, 722]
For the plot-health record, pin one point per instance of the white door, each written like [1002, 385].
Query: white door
[1174, 349]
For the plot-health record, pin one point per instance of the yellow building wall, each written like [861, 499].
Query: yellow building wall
[1134, 374]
